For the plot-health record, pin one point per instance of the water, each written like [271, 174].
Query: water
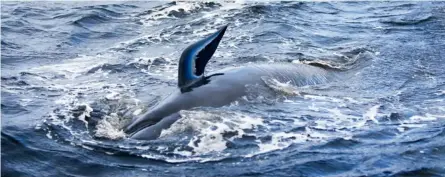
[70, 70]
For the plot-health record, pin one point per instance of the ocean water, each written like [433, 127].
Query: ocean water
[70, 70]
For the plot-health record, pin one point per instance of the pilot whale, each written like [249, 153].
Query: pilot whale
[197, 89]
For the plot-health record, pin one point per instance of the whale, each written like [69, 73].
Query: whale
[220, 88]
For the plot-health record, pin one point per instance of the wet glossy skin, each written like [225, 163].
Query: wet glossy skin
[220, 91]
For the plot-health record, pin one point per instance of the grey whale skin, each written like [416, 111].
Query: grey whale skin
[219, 88]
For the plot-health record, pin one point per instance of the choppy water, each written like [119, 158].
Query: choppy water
[71, 69]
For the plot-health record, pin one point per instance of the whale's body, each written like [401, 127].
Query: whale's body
[218, 89]
[224, 89]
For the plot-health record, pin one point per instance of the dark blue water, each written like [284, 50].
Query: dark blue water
[70, 70]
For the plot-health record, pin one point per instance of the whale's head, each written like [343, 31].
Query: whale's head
[190, 77]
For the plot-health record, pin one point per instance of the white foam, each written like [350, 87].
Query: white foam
[440, 92]
[278, 122]
[235, 4]
[87, 147]
[286, 88]
[137, 112]
[25, 102]
[85, 114]
[418, 121]
[324, 98]
[427, 117]
[154, 18]
[372, 113]
[73, 68]
[113, 96]
[279, 141]
[48, 134]
[109, 153]
[110, 127]
[210, 128]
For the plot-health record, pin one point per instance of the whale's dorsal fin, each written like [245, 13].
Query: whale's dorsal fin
[195, 57]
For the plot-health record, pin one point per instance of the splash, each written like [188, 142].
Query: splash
[210, 129]
[110, 127]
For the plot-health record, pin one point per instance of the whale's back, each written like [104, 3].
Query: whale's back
[235, 82]
[295, 74]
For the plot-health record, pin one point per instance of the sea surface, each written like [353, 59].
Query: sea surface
[71, 70]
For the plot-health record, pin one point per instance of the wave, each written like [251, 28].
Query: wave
[419, 171]
[13, 80]
[91, 19]
[13, 108]
[27, 29]
[9, 45]
[117, 68]
[413, 18]
[176, 10]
